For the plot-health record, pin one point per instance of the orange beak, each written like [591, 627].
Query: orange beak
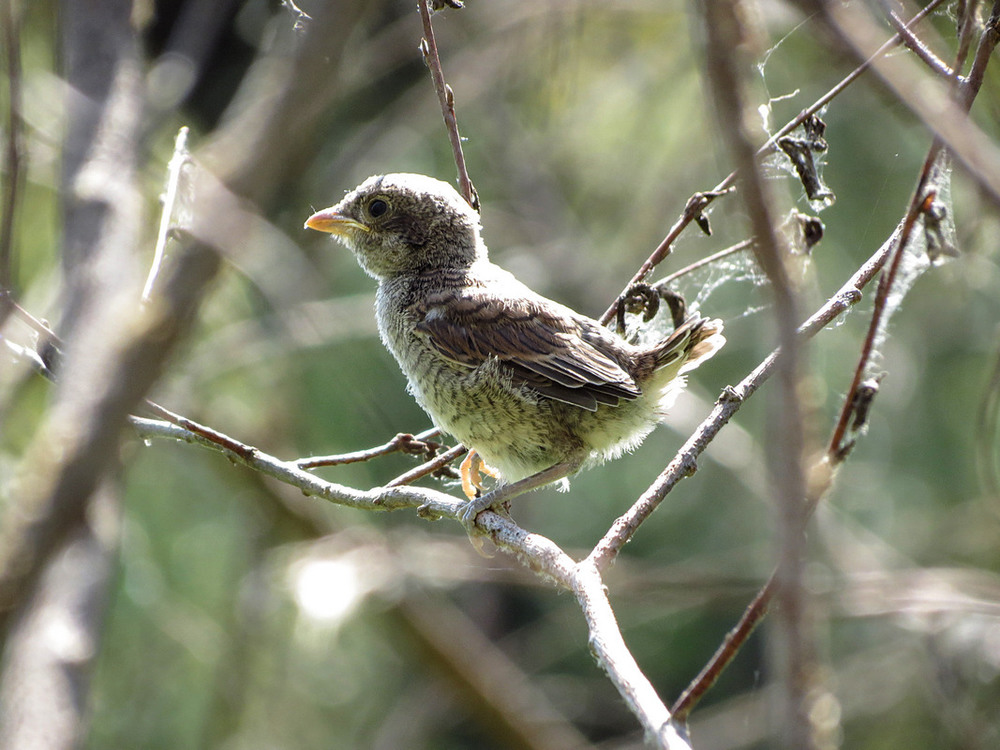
[332, 222]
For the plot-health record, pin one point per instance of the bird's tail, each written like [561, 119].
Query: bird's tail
[695, 341]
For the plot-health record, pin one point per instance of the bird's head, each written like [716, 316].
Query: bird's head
[399, 224]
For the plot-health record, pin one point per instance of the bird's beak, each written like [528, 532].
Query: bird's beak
[328, 220]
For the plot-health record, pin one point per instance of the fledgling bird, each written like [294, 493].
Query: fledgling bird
[536, 389]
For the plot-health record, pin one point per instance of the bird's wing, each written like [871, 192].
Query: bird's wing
[542, 346]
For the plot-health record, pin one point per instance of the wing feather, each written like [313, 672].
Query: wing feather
[543, 347]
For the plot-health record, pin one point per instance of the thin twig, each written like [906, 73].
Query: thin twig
[836, 448]
[916, 45]
[435, 464]
[403, 442]
[919, 203]
[752, 616]
[862, 68]
[966, 28]
[175, 169]
[693, 209]
[930, 100]
[446, 97]
[39, 326]
[987, 44]
[207, 434]
[395, 498]
[13, 166]
[708, 260]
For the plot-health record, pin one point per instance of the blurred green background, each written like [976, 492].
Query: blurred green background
[247, 616]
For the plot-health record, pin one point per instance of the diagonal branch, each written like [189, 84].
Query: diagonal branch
[534, 551]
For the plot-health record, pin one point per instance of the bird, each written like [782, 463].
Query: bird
[534, 389]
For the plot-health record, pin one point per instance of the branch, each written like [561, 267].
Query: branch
[446, 97]
[685, 462]
[920, 203]
[752, 616]
[434, 466]
[534, 551]
[584, 579]
[837, 448]
[987, 44]
[433, 502]
[708, 260]
[916, 45]
[728, 43]
[175, 170]
[404, 442]
[13, 165]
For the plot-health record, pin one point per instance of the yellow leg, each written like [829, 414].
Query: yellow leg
[472, 470]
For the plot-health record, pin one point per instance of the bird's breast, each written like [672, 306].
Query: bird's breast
[433, 380]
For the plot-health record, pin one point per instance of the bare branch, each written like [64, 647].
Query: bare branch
[838, 448]
[916, 45]
[685, 462]
[708, 260]
[533, 550]
[984, 50]
[404, 442]
[430, 467]
[397, 498]
[752, 616]
[429, 50]
[728, 41]
[920, 203]
[175, 169]
[584, 580]
[13, 163]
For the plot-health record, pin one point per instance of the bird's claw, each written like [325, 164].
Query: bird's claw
[469, 512]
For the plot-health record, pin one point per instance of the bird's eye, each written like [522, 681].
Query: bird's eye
[377, 207]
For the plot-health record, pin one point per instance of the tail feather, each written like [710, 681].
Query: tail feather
[704, 344]
[695, 340]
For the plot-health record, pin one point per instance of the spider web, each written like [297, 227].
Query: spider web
[798, 161]
[932, 242]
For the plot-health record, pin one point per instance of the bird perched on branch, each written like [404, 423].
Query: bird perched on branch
[537, 390]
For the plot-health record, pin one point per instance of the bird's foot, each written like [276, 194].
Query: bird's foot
[470, 510]
[495, 499]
